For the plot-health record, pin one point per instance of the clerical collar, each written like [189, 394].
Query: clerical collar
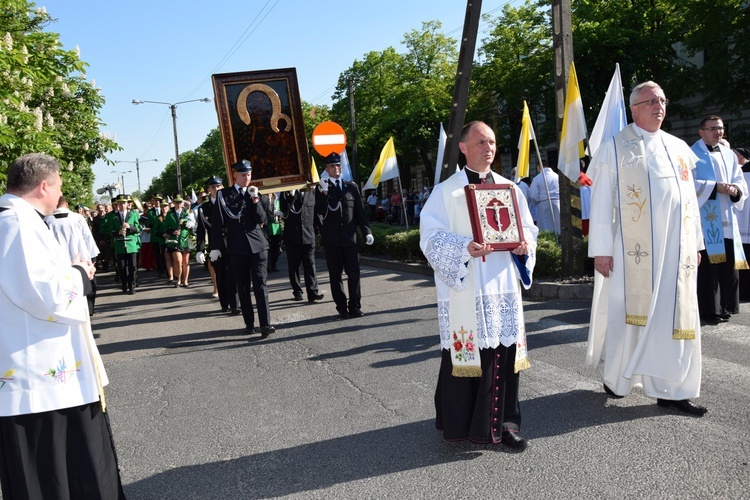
[645, 133]
[476, 177]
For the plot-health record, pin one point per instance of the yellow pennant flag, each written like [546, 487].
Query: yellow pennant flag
[573, 130]
[524, 147]
[314, 172]
[387, 167]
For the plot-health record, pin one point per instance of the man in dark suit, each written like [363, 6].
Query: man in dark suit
[339, 206]
[225, 285]
[240, 218]
[298, 209]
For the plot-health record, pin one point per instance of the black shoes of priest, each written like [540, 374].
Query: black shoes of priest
[683, 405]
[513, 440]
[316, 296]
[611, 393]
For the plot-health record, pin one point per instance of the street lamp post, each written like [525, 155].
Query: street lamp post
[173, 107]
[121, 178]
[137, 168]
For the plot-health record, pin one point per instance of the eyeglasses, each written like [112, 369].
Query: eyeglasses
[714, 129]
[654, 102]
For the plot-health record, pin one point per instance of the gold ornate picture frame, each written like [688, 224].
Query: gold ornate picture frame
[495, 219]
[260, 119]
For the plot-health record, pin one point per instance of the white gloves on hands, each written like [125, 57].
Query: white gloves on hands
[323, 183]
[214, 255]
[369, 239]
[252, 191]
[200, 258]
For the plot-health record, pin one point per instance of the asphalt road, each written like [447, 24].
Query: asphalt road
[330, 408]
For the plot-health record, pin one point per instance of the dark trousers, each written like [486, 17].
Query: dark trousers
[250, 275]
[126, 264]
[66, 453]
[304, 255]
[745, 278]
[225, 284]
[274, 250]
[718, 285]
[161, 262]
[340, 259]
[479, 408]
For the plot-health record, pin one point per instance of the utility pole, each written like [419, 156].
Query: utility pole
[354, 164]
[461, 90]
[562, 45]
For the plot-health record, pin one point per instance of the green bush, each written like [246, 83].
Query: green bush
[548, 256]
[395, 243]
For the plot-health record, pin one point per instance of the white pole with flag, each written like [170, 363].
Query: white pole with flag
[442, 139]
[612, 117]
[346, 169]
[386, 168]
[314, 172]
[573, 130]
[527, 134]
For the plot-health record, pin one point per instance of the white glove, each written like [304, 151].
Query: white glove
[252, 191]
[200, 258]
[323, 183]
[278, 213]
[214, 255]
[369, 239]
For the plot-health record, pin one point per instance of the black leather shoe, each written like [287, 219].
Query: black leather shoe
[235, 312]
[316, 296]
[249, 329]
[611, 393]
[298, 297]
[514, 440]
[343, 314]
[266, 331]
[225, 309]
[356, 313]
[131, 292]
[683, 405]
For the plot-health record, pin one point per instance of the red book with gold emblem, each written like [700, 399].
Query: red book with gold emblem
[495, 219]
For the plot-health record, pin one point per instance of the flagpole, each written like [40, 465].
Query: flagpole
[546, 187]
[403, 201]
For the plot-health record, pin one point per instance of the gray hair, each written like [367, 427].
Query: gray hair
[29, 170]
[637, 89]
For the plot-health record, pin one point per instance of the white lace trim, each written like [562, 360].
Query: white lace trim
[448, 254]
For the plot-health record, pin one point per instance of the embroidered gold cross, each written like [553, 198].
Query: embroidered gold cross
[463, 332]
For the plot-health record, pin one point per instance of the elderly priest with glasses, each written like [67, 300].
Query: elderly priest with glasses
[645, 237]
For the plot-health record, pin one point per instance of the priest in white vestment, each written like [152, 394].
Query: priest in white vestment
[645, 237]
[479, 304]
[51, 372]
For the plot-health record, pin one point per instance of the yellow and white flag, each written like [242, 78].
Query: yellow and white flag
[524, 147]
[314, 172]
[387, 167]
[573, 130]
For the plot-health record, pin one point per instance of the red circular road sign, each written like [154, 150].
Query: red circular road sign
[329, 137]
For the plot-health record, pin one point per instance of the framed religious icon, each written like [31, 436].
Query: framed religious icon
[495, 219]
[260, 119]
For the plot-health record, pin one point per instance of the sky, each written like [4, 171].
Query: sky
[165, 50]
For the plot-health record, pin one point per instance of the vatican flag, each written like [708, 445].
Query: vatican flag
[387, 167]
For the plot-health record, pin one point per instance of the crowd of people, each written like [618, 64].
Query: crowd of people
[668, 234]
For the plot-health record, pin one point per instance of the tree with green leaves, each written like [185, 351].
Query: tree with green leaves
[401, 95]
[46, 103]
